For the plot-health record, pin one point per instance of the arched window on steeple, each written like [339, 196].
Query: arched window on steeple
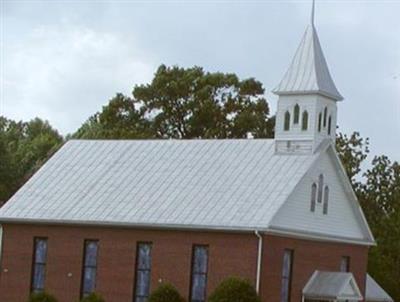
[326, 199]
[313, 197]
[325, 116]
[286, 125]
[296, 114]
[329, 125]
[319, 122]
[320, 187]
[304, 120]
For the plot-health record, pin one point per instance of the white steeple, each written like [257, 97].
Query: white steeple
[307, 99]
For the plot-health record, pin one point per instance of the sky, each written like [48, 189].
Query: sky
[63, 60]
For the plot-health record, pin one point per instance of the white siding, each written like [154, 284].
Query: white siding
[341, 221]
[314, 105]
[295, 146]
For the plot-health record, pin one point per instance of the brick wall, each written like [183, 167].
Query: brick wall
[308, 257]
[230, 254]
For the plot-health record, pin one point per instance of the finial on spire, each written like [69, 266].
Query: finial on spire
[313, 12]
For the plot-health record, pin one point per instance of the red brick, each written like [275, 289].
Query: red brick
[230, 254]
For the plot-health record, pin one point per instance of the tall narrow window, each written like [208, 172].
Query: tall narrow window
[313, 196]
[320, 187]
[296, 114]
[199, 273]
[89, 267]
[304, 121]
[143, 272]
[329, 125]
[319, 122]
[325, 115]
[345, 264]
[286, 125]
[326, 199]
[286, 275]
[39, 264]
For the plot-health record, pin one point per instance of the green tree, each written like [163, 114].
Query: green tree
[234, 290]
[166, 293]
[118, 120]
[378, 192]
[24, 147]
[352, 150]
[93, 297]
[380, 199]
[185, 103]
[42, 297]
[6, 171]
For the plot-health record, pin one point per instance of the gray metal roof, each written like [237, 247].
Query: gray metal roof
[308, 72]
[332, 286]
[213, 184]
[375, 293]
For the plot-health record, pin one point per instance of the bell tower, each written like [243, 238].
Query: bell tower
[307, 103]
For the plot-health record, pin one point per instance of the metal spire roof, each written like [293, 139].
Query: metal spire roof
[308, 72]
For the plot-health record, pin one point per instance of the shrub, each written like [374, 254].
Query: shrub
[234, 290]
[93, 297]
[41, 297]
[166, 293]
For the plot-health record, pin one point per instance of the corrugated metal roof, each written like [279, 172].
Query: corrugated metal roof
[332, 286]
[375, 293]
[222, 184]
[308, 72]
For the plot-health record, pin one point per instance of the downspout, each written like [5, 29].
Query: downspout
[259, 258]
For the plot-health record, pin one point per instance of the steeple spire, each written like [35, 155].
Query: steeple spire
[313, 13]
[307, 105]
[308, 72]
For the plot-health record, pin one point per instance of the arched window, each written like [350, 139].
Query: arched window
[286, 125]
[325, 115]
[319, 122]
[326, 199]
[320, 187]
[313, 196]
[329, 125]
[304, 121]
[296, 114]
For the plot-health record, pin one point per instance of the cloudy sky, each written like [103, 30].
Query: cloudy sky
[63, 60]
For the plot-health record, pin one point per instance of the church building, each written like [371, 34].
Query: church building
[122, 217]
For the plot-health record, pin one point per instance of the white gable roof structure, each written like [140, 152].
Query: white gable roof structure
[221, 184]
[187, 184]
[332, 286]
[375, 293]
[308, 72]
[344, 218]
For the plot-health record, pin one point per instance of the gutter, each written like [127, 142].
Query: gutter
[259, 254]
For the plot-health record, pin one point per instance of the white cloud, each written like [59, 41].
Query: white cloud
[64, 60]
[65, 73]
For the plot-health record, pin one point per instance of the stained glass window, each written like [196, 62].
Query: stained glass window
[143, 269]
[286, 275]
[89, 267]
[326, 199]
[39, 264]
[199, 273]
[319, 122]
[320, 187]
[296, 114]
[325, 115]
[329, 125]
[286, 125]
[304, 122]
[313, 196]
